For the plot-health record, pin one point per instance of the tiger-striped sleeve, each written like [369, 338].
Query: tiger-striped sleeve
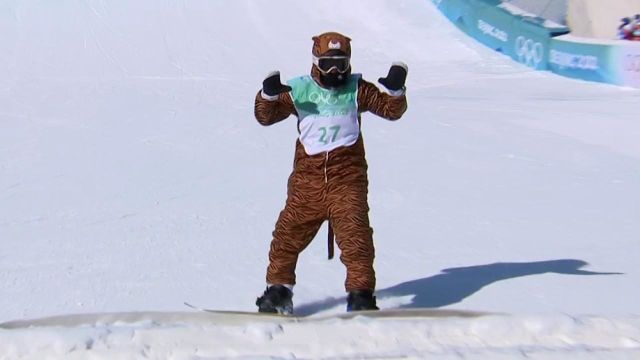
[370, 98]
[269, 112]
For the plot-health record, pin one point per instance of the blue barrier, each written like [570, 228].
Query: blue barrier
[523, 38]
[590, 62]
[613, 62]
[528, 40]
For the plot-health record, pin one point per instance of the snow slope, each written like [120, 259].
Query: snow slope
[133, 177]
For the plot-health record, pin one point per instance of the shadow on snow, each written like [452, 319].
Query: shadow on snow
[454, 285]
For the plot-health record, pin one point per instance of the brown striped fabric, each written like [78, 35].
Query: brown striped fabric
[329, 186]
[329, 41]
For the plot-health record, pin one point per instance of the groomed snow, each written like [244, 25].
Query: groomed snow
[134, 177]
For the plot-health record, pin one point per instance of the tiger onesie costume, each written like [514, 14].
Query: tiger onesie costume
[329, 178]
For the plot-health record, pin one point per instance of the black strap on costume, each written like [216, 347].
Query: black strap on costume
[330, 239]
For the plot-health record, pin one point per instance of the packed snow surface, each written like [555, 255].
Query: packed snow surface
[134, 177]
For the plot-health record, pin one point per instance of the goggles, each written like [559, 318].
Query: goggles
[327, 63]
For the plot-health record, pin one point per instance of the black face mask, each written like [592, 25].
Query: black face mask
[333, 79]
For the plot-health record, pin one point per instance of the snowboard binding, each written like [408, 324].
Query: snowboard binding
[359, 300]
[277, 299]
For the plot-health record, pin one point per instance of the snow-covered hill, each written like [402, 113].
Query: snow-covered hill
[133, 177]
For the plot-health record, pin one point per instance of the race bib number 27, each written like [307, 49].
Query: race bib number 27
[328, 134]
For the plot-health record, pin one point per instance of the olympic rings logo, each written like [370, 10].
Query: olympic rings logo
[320, 98]
[529, 52]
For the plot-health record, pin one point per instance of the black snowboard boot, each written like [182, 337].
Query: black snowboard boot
[361, 300]
[276, 299]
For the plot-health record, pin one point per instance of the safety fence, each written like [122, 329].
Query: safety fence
[544, 45]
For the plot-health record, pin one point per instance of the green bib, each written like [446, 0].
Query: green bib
[327, 118]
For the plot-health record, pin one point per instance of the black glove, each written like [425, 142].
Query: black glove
[396, 77]
[272, 86]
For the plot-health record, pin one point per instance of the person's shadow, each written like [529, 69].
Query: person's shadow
[454, 285]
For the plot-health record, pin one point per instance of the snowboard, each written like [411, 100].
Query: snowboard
[396, 313]
[212, 317]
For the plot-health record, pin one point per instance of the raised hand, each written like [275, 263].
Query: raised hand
[396, 78]
[272, 86]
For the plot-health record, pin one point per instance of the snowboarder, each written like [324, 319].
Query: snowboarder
[329, 177]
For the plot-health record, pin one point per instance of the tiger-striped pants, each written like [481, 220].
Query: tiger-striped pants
[325, 187]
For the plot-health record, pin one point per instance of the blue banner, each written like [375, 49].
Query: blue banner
[523, 38]
[586, 61]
